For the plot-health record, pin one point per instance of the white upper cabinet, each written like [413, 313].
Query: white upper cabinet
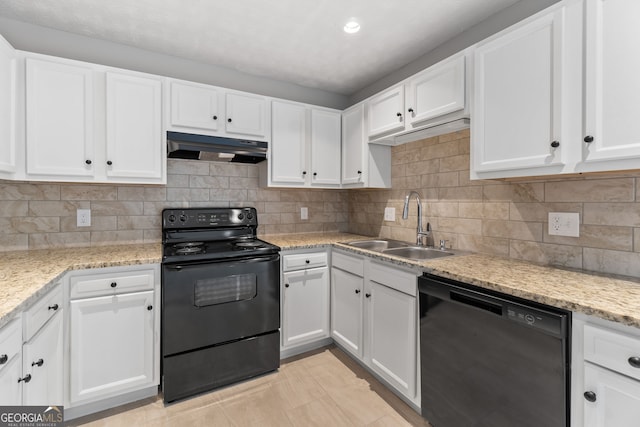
[194, 106]
[7, 109]
[287, 153]
[304, 148]
[59, 120]
[556, 93]
[432, 97]
[209, 110]
[518, 110]
[134, 127]
[611, 137]
[386, 112]
[247, 115]
[90, 123]
[436, 92]
[325, 147]
[363, 164]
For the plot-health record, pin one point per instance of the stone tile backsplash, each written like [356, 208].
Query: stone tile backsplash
[502, 217]
[43, 215]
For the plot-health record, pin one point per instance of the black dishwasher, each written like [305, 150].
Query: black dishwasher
[489, 359]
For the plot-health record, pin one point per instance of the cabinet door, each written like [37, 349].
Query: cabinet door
[517, 103]
[346, 310]
[386, 112]
[59, 121]
[135, 146]
[42, 359]
[612, 87]
[617, 398]
[391, 322]
[10, 388]
[194, 106]
[438, 91]
[288, 144]
[246, 115]
[325, 147]
[353, 144]
[305, 312]
[111, 345]
[7, 107]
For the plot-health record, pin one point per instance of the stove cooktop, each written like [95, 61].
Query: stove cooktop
[215, 250]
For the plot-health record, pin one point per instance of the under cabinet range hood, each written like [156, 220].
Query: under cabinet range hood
[205, 147]
[435, 129]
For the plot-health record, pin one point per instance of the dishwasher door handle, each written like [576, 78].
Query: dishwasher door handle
[476, 302]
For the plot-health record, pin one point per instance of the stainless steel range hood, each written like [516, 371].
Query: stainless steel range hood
[204, 147]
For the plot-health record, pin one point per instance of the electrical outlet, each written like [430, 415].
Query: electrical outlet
[564, 224]
[84, 217]
[389, 214]
[304, 213]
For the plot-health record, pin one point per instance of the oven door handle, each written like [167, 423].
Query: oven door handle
[252, 260]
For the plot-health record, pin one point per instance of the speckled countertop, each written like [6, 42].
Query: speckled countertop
[26, 275]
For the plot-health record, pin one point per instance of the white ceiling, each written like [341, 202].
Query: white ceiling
[297, 41]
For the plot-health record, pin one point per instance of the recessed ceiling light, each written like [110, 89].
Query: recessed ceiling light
[351, 27]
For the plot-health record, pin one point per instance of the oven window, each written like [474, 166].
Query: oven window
[221, 290]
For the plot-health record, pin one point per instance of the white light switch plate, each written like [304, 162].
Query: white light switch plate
[304, 213]
[564, 224]
[84, 218]
[389, 214]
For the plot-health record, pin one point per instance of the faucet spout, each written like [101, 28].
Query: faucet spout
[405, 214]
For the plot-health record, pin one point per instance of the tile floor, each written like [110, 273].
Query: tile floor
[321, 388]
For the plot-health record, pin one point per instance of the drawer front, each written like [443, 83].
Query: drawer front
[111, 283]
[349, 263]
[41, 312]
[393, 278]
[302, 261]
[614, 350]
[10, 342]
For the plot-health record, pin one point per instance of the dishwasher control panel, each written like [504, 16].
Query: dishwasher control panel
[548, 322]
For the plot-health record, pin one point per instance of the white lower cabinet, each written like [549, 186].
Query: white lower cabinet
[42, 363]
[374, 317]
[11, 363]
[346, 309]
[617, 398]
[605, 373]
[305, 299]
[392, 336]
[114, 336]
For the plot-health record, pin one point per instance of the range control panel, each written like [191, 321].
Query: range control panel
[208, 217]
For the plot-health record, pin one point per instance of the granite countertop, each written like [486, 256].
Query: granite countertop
[26, 275]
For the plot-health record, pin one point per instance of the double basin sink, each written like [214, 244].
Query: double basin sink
[400, 249]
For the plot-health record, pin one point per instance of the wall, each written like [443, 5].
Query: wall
[34, 38]
[40, 216]
[505, 218]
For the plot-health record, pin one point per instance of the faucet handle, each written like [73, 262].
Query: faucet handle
[443, 244]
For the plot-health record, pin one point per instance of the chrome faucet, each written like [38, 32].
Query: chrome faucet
[420, 233]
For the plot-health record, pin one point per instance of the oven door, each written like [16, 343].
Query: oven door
[210, 303]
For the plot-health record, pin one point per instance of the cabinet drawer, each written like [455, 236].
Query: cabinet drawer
[349, 263]
[613, 350]
[302, 261]
[395, 279]
[111, 283]
[41, 312]
[10, 342]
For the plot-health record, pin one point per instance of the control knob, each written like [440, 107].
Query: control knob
[241, 217]
[172, 218]
[249, 215]
[183, 218]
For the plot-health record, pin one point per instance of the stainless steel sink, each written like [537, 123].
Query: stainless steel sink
[377, 245]
[417, 253]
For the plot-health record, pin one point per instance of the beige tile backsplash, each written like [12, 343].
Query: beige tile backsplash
[507, 218]
[39, 216]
